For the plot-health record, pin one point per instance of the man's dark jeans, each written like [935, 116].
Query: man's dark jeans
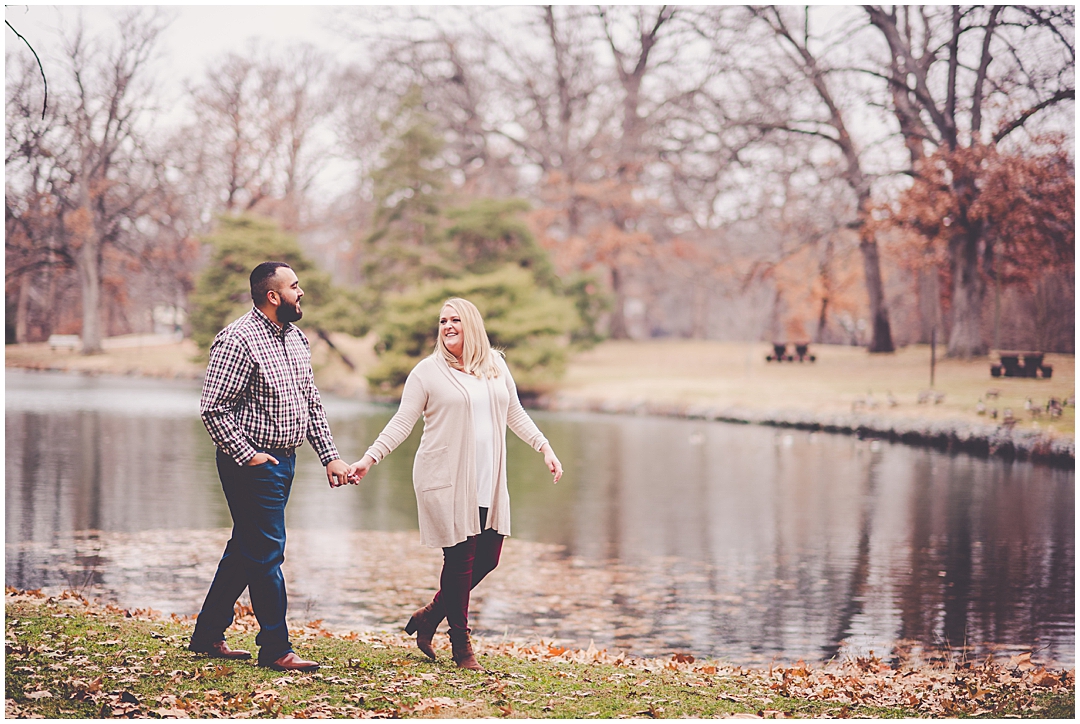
[257, 496]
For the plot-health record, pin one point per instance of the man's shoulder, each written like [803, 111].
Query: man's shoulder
[238, 333]
[236, 327]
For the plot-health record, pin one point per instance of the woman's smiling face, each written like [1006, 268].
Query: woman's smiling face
[450, 329]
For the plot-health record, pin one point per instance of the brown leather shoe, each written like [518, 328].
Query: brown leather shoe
[221, 650]
[424, 622]
[292, 662]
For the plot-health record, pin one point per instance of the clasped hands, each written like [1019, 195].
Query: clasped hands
[351, 474]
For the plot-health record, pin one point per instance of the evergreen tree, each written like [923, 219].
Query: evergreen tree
[489, 233]
[531, 324]
[223, 293]
[407, 245]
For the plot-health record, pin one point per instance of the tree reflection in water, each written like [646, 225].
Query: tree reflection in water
[740, 542]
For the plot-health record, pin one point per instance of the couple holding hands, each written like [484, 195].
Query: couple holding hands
[259, 403]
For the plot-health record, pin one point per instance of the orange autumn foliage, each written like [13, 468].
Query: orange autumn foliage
[1021, 203]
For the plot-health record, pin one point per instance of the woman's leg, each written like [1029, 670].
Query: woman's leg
[487, 551]
[456, 582]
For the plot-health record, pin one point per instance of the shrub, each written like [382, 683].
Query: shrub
[531, 324]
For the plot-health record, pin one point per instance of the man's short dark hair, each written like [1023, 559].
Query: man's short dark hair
[261, 277]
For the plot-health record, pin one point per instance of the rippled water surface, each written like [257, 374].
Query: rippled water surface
[740, 542]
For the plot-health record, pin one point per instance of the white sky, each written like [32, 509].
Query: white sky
[195, 37]
[197, 34]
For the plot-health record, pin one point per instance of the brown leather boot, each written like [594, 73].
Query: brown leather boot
[461, 647]
[424, 622]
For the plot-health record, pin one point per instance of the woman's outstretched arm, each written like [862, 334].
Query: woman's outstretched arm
[413, 401]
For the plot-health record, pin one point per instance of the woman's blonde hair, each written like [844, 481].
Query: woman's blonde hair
[477, 355]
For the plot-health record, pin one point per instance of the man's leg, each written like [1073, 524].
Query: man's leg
[257, 497]
[269, 490]
[232, 572]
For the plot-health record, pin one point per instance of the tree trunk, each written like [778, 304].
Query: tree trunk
[819, 335]
[881, 339]
[90, 285]
[88, 265]
[618, 312]
[699, 323]
[968, 296]
[22, 308]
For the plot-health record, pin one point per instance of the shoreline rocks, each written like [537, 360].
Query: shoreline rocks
[946, 435]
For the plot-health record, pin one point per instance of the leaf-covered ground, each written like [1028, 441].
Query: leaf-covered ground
[68, 658]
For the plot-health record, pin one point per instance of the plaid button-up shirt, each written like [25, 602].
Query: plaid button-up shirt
[259, 392]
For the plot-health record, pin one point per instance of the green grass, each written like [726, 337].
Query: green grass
[66, 659]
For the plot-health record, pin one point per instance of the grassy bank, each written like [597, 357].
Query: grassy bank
[66, 658]
[724, 375]
[842, 380]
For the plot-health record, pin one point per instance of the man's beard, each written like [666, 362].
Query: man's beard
[289, 312]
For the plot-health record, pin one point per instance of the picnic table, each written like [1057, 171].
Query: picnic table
[780, 353]
[1021, 364]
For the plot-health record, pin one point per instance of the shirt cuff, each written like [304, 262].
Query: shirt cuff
[329, 455]
[242, 455]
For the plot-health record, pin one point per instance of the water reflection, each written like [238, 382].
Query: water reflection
[733, 541]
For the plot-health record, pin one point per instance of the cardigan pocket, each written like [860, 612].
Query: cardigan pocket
[431, 470]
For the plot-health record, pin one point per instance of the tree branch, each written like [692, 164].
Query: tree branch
[1062, 95]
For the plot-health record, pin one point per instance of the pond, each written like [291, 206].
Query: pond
[745, 543]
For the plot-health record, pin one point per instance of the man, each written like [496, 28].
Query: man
[259, 402]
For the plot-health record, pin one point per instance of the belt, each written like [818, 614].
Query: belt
[286, 450]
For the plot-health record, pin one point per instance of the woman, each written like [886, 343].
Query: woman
[467, 396]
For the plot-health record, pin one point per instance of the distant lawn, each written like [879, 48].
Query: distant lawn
[735, 374]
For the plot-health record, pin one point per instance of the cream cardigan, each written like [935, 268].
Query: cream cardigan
[444, 470]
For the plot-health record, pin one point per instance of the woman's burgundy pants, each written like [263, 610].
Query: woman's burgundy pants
[465, 565]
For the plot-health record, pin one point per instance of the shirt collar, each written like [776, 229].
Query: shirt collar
[273, 328]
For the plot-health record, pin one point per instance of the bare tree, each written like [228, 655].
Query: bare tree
[87, 191]
[30, 237]
[252, 142]
[822, 116]
[965, 77]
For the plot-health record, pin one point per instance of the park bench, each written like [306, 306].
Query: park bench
[1021, 364]
[780, 354]
[64, 341]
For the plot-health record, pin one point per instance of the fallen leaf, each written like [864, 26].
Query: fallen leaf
[39, 695]
[1022, 661]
